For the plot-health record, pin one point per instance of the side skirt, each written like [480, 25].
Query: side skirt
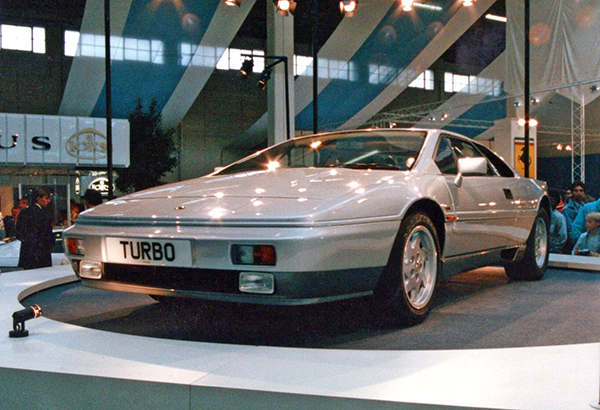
[457, 264]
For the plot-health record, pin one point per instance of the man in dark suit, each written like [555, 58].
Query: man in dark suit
[34, 230]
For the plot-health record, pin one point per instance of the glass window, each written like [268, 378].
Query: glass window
[424, 81]
[23, 38]
[393, 150]
[71, 41]
[501, 167]
[445, 159]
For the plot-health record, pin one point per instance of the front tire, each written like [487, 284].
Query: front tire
[406, 289]
[535, 261]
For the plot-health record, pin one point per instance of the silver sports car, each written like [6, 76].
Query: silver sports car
[384, 213]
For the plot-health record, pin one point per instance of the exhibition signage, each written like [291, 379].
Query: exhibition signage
[49, 140]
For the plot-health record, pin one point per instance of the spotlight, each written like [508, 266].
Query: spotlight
[19, 319]
[559, 147]
[348, 7]
[535, 100]
[285, 7]
[264, 77]
[247, 67]
[568, 148]
[233, 3]
[594, 88]
[407, 5]
[468, 3]
[517, 103]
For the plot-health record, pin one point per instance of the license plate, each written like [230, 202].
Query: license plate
[162, 252]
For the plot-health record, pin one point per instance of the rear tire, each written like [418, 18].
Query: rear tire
[406, 289]
[535, 261]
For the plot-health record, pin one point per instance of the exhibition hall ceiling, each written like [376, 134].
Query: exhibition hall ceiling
[378, 52]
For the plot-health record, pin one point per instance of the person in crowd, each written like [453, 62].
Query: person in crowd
[34, 230]
[558, 225]
[588, 243]
[568, 194]
[10, 222]
[76, 209]
[62, 219]
[571, 209]
[2, 230]
[561, 204]
[578, 226]
[92, 198]
[575, 203]
[23, 202]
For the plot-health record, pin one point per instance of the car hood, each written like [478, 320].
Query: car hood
[283, 195]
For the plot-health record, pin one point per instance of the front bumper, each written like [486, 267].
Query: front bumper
[291, 288]
[314, 264]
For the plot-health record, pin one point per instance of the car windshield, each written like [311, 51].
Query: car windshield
[395, 150]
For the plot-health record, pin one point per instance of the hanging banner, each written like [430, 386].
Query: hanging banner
[518, 146]
[61, 141]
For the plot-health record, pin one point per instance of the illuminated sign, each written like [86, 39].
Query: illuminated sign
[77, 186]
[100, 184]
[61, 141]
[87, 144]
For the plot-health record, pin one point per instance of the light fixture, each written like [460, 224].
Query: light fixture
[517, 103]
[285, 7]
[233, 3]
[567, 148]
[594, 88]
[247, 66]
[348, 7]
[494, 17]
[264, 77]
[468, 3]
[559, 147]
[532, 122]
[407, 5]
[535, 100]
[19, 319]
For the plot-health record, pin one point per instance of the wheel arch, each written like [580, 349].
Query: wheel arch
[435, 213]
[545, 204]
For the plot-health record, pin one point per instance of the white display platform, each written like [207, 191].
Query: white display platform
[61, 366]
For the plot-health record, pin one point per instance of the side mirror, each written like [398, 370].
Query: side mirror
[470, 166]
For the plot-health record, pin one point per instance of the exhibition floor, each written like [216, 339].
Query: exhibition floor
[475, 310]
[523, 363]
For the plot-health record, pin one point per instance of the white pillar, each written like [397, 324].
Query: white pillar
[280, 42]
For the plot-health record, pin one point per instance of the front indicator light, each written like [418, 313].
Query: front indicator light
[257, 282]
[75, 246]
[91, 270]
[253, 255]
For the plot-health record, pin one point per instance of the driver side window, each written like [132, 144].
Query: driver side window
[445, 159]
[451, 149]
